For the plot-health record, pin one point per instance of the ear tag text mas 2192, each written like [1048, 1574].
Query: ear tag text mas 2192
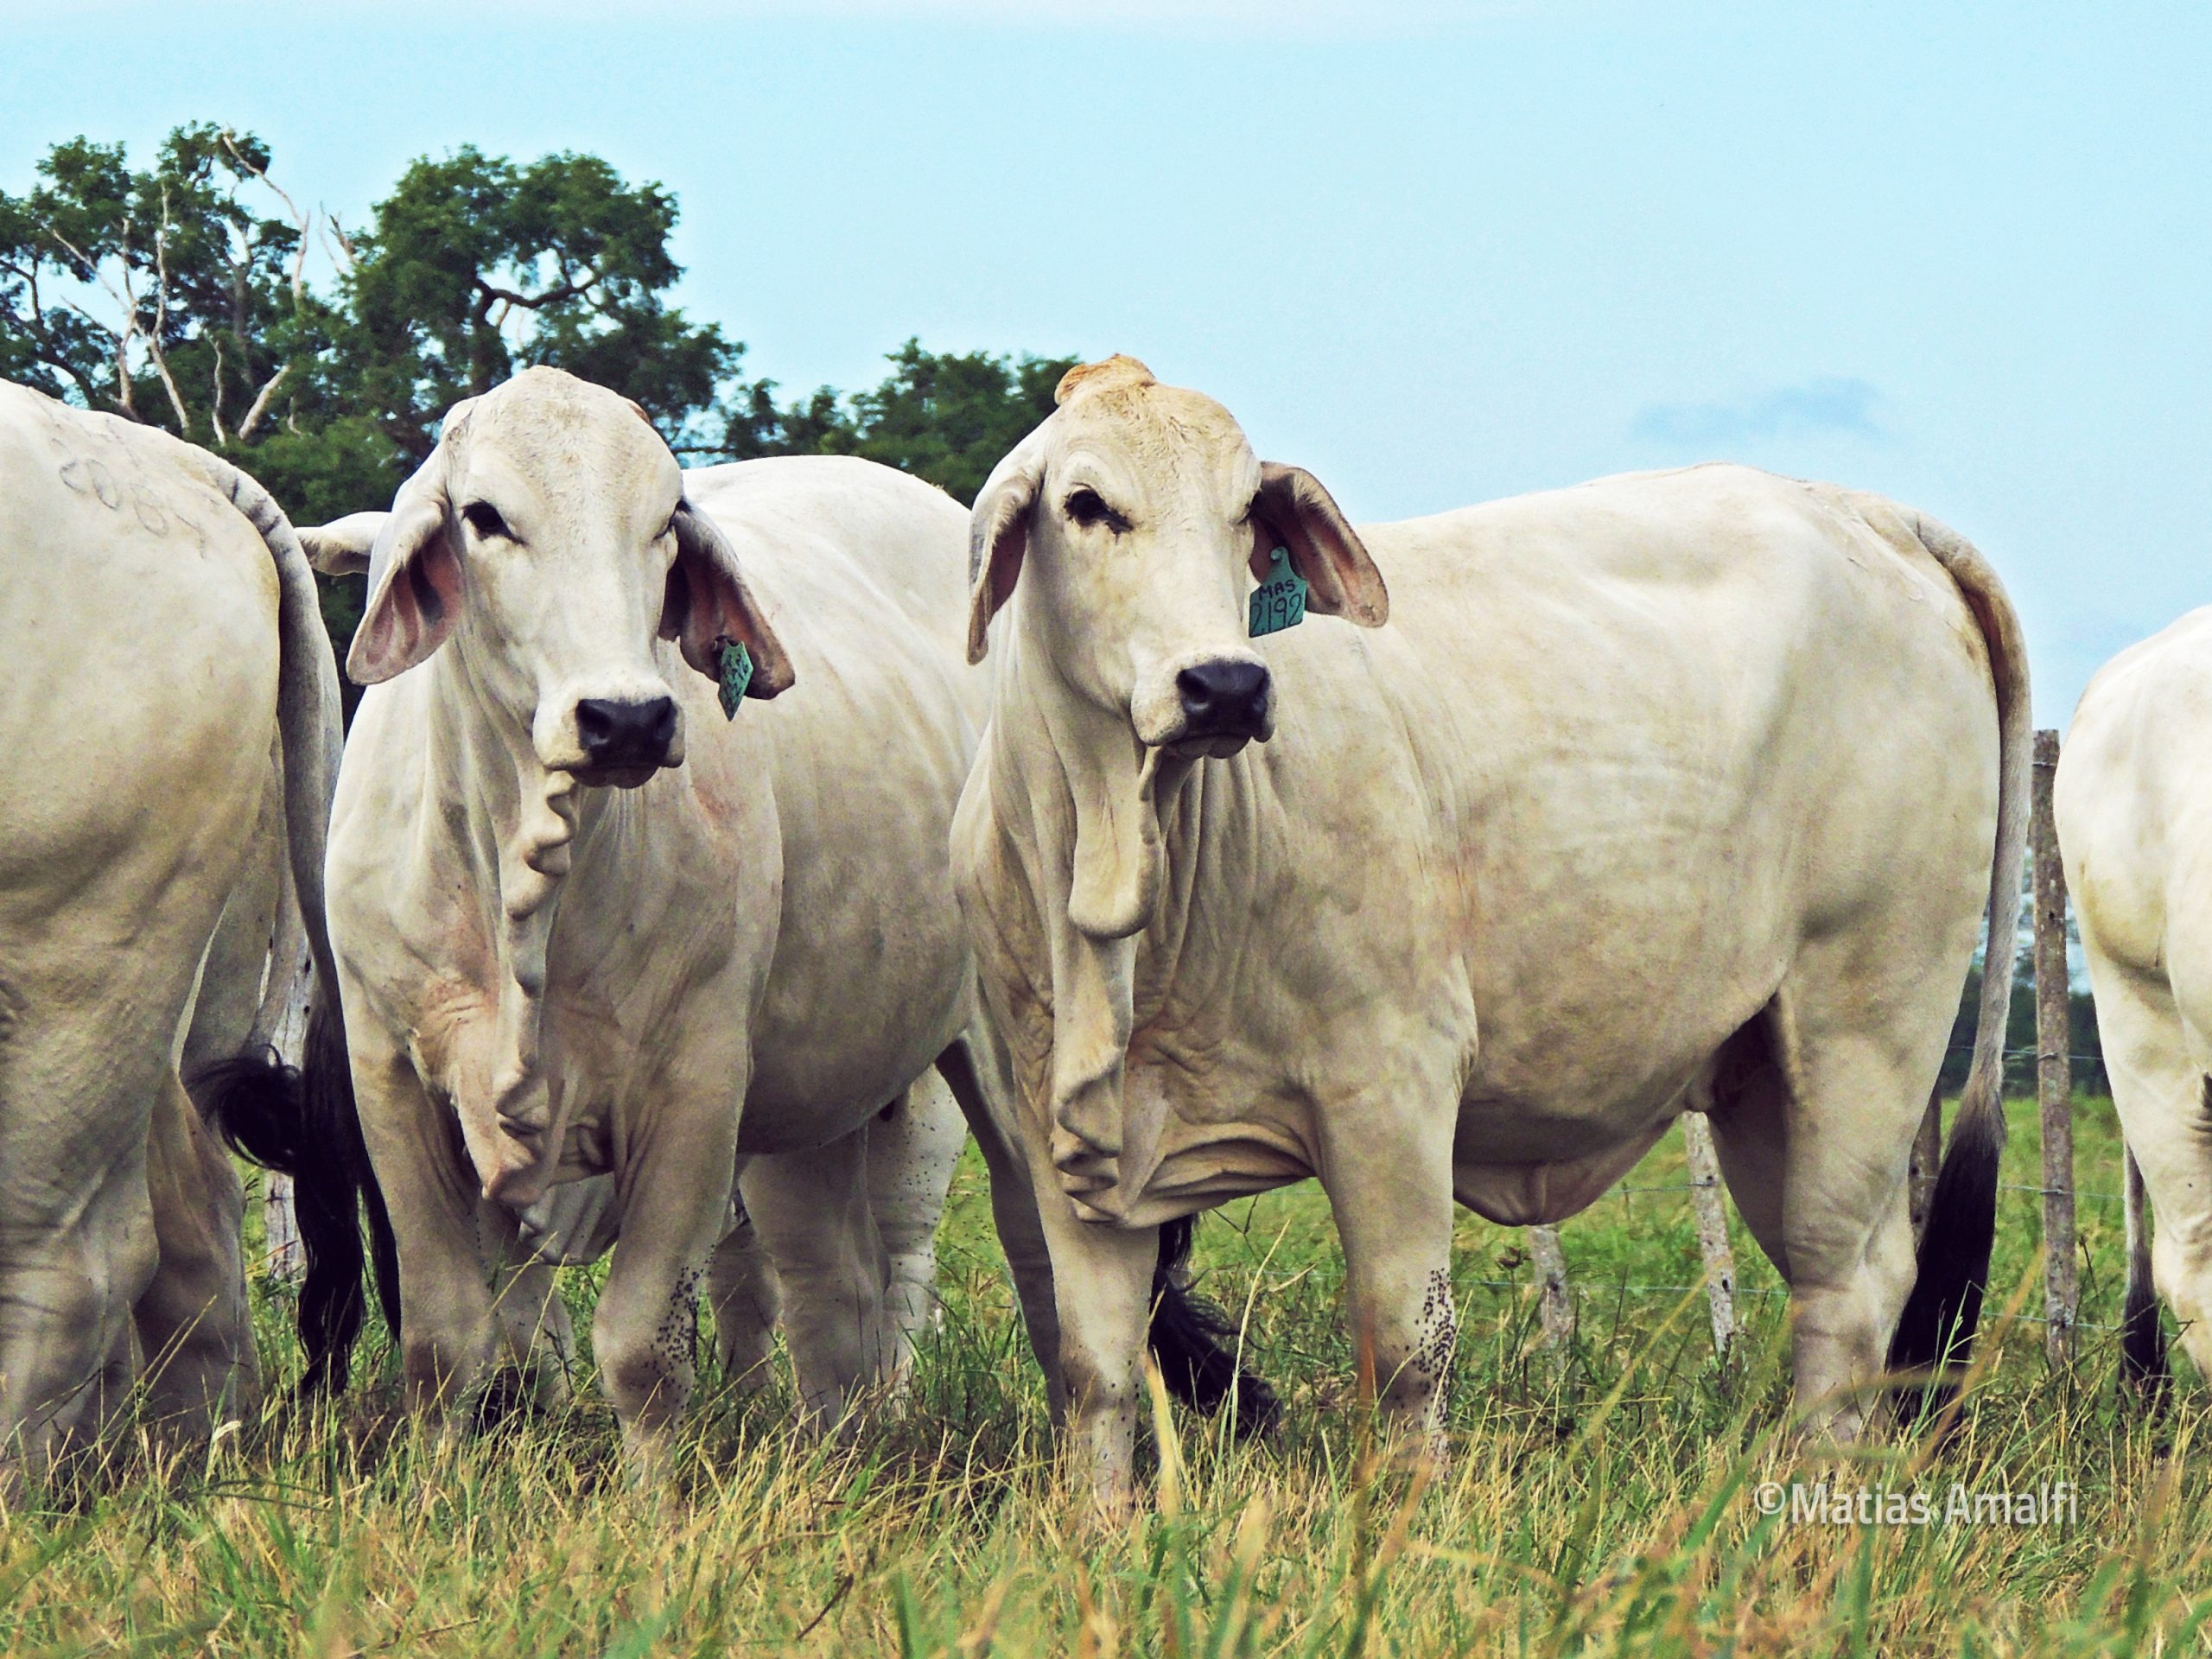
[1279, 601]
[736, 664]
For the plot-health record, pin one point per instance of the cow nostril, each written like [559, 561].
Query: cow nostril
[620, 733]
[1229, 696]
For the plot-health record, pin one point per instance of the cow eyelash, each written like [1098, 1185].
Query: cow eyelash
[1087, 507]
[484, 519]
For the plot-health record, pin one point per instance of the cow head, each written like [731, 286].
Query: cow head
[1131, 527]
[547, 538]
[1125, 536]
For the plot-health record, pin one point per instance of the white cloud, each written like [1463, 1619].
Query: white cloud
[1819, 405]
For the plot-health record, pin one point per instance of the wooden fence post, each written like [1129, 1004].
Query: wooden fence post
[2054, 1065]
[1555, 1304]
[1927, 1158]
[1711, 1228]
[287, 1255]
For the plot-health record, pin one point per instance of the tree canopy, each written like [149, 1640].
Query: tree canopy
[196, 294]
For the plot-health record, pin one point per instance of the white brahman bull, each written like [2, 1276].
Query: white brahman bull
[587, 904]
[1679, 791]
[162, 635]
[2134, 800]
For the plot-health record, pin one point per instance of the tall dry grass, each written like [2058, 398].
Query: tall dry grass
[1608, 1504]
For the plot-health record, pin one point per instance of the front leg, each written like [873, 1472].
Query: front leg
[1390, 1187]
[676, 1195]
[1101, 1285]
[449, 1335]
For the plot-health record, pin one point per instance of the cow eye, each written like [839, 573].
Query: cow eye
[1087, 507]
[484, 519]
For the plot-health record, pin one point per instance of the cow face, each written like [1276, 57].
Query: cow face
[549, 538]
[1134, 524]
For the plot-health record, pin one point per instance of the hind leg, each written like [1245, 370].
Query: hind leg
[812, 1212]
[976, 1071]
[912, 1147]
[2158, 1060]
[1856, 1086]
[193, 1323]
[537, 1342]
[742, 1290]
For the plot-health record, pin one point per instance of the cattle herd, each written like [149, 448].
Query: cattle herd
[714, 852]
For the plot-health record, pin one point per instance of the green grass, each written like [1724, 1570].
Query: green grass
[1604, 1506]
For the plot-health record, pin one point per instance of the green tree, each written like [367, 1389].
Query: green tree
[944, 417]
[474, 267]
[179, 295]
[162, 295]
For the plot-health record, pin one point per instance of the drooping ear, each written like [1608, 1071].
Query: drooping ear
[707, 600]
[998, 537]
[415, 580]
[1294, 512]
[341, 547]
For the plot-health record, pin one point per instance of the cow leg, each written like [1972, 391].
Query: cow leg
[76, 1245]
[1014, 1202]
[676, 1195]
[449, 1335]
[1390, 1187]
[812, 1211]
[1855, 1100]
[193, 1323]
[1102, 1282]
[537, 1342]
[742, 1290]
[913, 1147]
[2160, 1089]
[1747, 1107]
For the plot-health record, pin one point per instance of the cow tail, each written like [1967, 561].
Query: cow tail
[1194, 1342]
[1936, 1331]
[304, 1124]
[2142, 1339]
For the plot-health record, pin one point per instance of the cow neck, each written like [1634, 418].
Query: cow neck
[520, 825]
[1094, 798]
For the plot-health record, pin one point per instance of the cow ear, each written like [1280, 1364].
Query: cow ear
[998, 537]
[415, 580]
[707, 602]
[1294, 511]
[342, 548]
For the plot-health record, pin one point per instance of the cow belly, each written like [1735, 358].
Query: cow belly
[1530, 1195]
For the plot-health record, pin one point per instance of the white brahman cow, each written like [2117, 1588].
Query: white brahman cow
[163, 639]
[599, 908]
[1679, 791]
[2134, 800]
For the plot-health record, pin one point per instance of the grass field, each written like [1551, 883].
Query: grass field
[1611, 1507]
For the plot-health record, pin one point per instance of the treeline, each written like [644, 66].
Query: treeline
[199, 294]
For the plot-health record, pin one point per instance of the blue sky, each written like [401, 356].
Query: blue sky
[1435, 252]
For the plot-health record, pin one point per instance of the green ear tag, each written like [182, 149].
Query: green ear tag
[1278, 602]
[737, 673]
